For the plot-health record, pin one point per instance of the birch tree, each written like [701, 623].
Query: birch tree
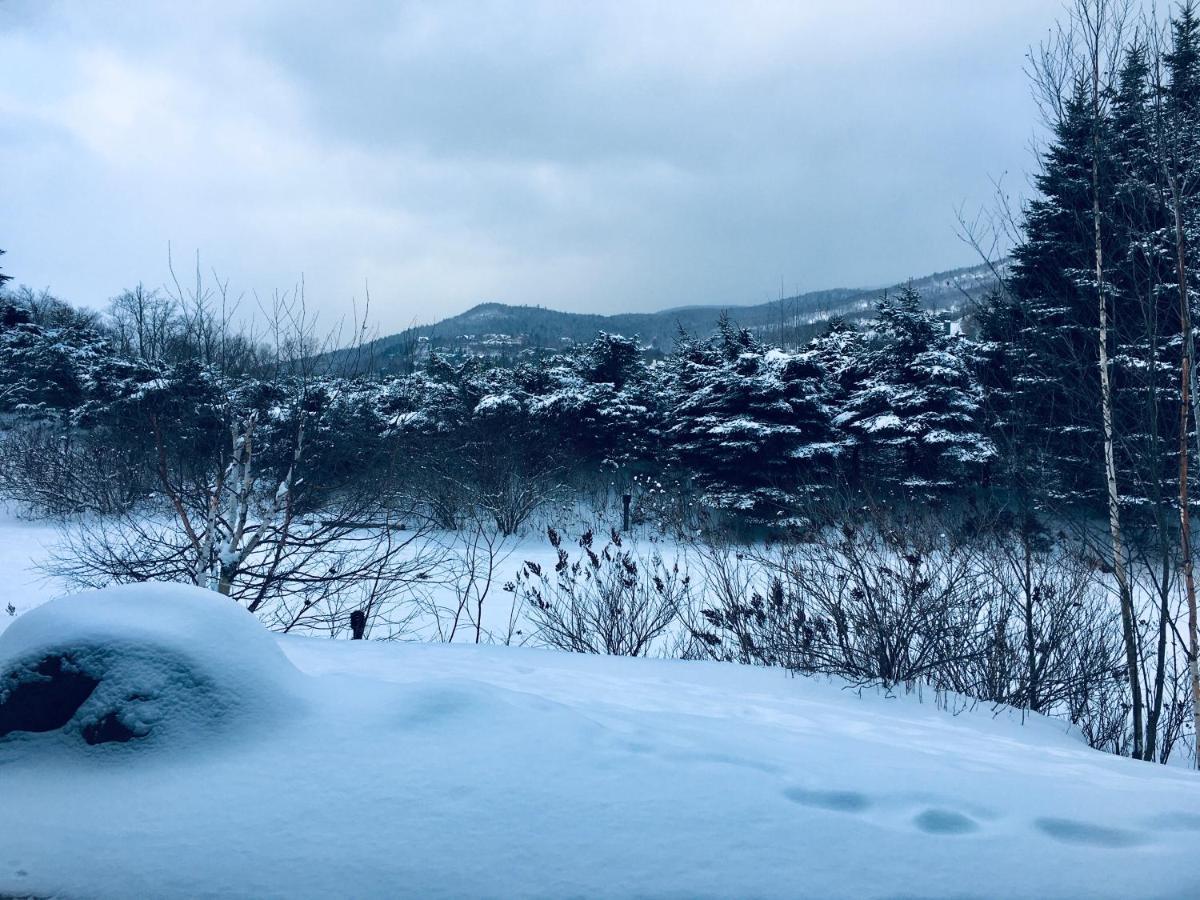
[1092, 49]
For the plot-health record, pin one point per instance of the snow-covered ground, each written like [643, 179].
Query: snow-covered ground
[432, 610]
[27, 545]
[365, 769]
[24, 546]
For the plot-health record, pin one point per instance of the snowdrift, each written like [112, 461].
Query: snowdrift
[297, 767]
[141, 662]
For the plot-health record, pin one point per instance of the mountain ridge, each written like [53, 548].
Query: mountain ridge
[492, 328]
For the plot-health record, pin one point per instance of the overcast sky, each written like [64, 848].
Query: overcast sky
[604, 157]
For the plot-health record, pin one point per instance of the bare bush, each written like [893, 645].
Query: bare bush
[875, 602]
[467, 579]
[608, 602]
[1001, 616]
[502, 483]
[1055, 637]
[250, 536]
[55, 471]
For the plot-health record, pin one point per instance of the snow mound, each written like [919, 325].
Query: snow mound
[139, 662]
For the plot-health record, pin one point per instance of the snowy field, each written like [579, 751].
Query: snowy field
[301, 767]
[24, 546]
[27, 545]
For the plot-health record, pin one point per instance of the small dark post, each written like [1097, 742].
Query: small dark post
[626, 499]
[358, 624]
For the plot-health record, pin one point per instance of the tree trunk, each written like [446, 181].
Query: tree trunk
[1185, 529]
[1031, 661]
[1120, 561]
[1160, 654]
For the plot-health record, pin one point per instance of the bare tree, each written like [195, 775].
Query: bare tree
[257, 542]
[468, 575]
[244, 520]
[207, 329]
[144, 324]
[216, 517]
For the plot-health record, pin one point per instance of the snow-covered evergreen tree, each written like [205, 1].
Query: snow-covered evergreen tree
[751, 424]
[44, 368]
[1040, 333]
[915, 413]
[605, 403]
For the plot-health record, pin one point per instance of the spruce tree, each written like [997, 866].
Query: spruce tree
[752, 423]
[1040, 333]
[915, 413]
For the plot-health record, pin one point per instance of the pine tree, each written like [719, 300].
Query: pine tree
[915, 413]
[45, 369]
[4, 279]
[599, 404]
[1140, 276]
[1041, 331]
[751, 423]
[1145, 366]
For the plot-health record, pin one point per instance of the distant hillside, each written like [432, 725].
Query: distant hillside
[501, 330]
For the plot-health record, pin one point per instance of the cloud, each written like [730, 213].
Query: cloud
[584, 156]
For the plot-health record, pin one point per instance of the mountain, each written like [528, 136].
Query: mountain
[501, 330]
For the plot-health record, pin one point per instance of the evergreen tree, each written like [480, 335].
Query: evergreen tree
[750, 423]
[915, 414]
[607, 403]
[1040, 333]
[44, 369]
[1183, 92]
[1144, 300]
[611, 359]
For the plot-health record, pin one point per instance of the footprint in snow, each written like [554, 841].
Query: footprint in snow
[932, 820]
[726, 759]
[945, 821]
[1071, 831]
[837, 801]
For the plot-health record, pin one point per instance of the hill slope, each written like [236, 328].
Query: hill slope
[501, 327]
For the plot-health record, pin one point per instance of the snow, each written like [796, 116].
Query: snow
[23, 546]
[169, 661]
[495, 404]
[884, 422]
[390, 769]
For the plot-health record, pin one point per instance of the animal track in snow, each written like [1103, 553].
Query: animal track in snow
[945, 821]
[837, 801]
[1072, 831]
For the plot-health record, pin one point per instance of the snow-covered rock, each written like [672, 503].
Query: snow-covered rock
[142, 663]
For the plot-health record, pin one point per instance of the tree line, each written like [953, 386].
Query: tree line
[743, 432]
